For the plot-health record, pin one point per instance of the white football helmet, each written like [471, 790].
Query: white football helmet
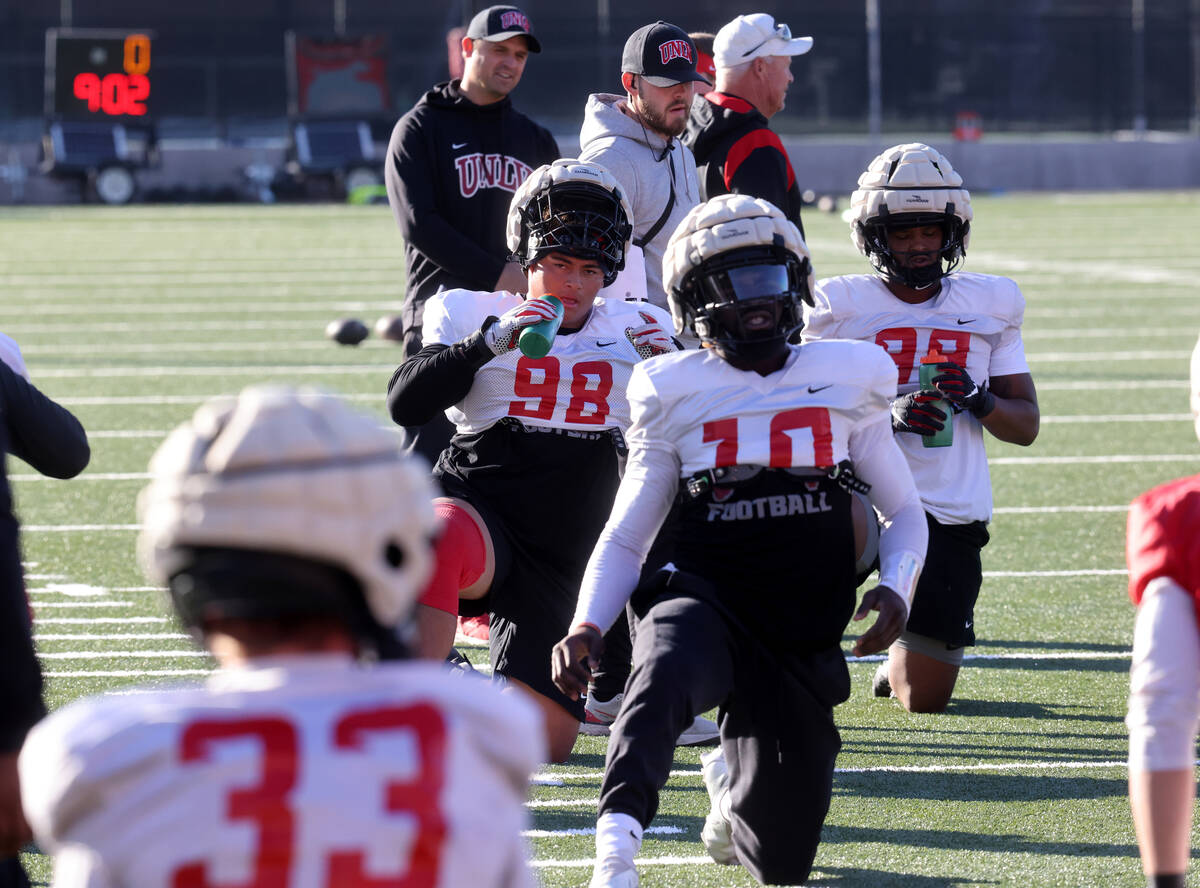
[905, 186]
[299, 473]
[574, 207]
[730, 258]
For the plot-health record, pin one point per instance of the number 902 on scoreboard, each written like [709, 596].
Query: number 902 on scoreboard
[98, 74]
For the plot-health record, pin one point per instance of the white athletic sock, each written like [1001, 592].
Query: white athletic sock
[619, 836]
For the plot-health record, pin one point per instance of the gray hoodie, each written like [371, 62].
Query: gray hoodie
[645, 164]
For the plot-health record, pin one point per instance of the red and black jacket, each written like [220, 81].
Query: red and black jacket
[737, 153]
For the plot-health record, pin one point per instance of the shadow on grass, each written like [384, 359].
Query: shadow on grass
[1081, 664]
[1025, 709]
[956, 840]
[1030, 645]
[973, 786]
[849, 876]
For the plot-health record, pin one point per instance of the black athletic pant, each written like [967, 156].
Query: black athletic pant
[777, 731]
[11, 874]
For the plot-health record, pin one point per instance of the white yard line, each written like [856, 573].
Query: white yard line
[588, 863]
[89, 621]
[115, 636]
[38, 605]
[1091, 460]
[995, 461]
[591, 831]
[1052, 510]
[128, 673]
[223, 371]
[132, 655]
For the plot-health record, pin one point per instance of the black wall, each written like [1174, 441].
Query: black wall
[1024, 65]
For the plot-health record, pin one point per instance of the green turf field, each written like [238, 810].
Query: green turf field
[132, 316]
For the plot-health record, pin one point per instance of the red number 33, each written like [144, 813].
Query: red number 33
[266, 803]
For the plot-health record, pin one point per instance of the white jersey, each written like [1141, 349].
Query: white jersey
[693, 411]
[974, 321]
[579, 385]
[711, 414]
[296, 772]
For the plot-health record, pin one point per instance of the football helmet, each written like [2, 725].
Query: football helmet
[906, 186]
[293, 476]
[574, 207]
[736, 270]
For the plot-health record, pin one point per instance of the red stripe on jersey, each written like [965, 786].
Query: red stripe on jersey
[749, 143]
[730, 103]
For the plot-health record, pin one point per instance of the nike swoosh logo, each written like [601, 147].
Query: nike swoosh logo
[967, 321]
[605, 344]
[820, 388]
[458, 145]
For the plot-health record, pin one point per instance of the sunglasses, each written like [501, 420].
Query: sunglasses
[782, 32]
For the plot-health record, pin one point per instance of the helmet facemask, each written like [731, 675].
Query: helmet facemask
[579, 219]
[894, 265]
[746, 302]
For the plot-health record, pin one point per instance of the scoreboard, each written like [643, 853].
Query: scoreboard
[98, 74]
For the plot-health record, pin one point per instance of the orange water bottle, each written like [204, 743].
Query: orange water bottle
[536, 339]
[929, 363]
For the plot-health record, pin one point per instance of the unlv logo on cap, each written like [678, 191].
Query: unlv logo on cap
[675, 49]
[514, 19]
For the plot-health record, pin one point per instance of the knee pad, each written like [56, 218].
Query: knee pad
[460, 557]
[930, 647]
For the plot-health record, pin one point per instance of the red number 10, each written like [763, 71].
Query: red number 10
[725, 433]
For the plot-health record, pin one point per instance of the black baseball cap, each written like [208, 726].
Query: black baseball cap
[662, 53]
[498, 23]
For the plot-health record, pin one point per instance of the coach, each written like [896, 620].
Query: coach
[735, 150]
[454, 161]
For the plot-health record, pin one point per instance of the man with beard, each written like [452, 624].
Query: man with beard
[636, 137]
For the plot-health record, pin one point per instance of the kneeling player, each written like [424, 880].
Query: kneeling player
[748, 434]
[294, 536]
[534, 463]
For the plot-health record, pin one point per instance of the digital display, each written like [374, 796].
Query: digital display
[98, 75]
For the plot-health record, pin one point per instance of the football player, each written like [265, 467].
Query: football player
[911, 218]
[762, 444]
[293, 536]
[530, 474]
[1163, 551]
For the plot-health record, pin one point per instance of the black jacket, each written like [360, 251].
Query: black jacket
[737, 153]
[49, 438]
[451, 172]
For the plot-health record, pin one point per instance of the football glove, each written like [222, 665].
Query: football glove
[917, 412]
[957, 387]
[501, 334]
[651, 339]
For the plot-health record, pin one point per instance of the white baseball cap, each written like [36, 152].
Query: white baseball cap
[748, 37]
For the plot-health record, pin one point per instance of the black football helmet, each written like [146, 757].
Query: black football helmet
[574, 207]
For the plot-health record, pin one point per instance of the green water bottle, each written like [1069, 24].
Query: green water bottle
[945, 437]
[536, 339]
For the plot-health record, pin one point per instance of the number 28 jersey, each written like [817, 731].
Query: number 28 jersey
[298, 772]
[579, 386]
[975, 321]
